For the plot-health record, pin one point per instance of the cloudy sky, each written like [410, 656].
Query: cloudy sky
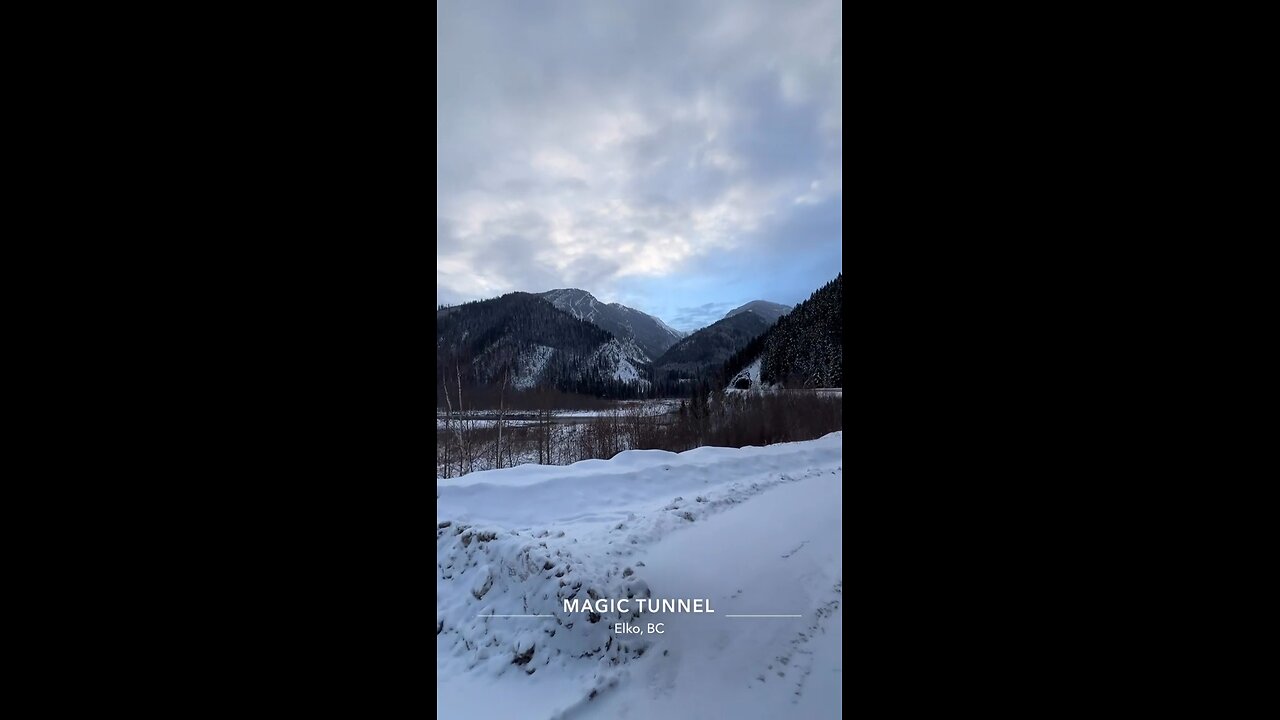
[681, 158]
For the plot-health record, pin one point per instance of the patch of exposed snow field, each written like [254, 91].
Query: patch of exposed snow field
[623, 357]
[532, 363]
[755, 531]
[751, 372]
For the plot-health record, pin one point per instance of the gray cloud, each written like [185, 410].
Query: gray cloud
[596, 145]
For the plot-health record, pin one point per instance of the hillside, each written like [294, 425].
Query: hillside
[524, 337]
[804, 349]
[650, 334]
[710, 346]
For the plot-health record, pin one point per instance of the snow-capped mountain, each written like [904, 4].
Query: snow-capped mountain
[650, 334]
[769, 311]
[523, 338]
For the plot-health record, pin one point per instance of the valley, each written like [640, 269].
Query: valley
[558, 377]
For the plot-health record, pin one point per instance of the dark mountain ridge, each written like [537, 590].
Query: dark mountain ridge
[709, 347]
[531, 343]
[769, 311]
[649, 333]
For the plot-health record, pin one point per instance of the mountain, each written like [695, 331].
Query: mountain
[710, 346]
[805, 348]
[651, 334]
[765, 309]
[536, 345]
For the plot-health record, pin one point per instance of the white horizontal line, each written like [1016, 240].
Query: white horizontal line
[515, 616]
[764, 616]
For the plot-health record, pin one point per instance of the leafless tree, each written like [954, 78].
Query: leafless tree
[448, 425]
[502, 416]
[465, 433]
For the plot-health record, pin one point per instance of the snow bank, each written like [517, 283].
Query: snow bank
[517, 541]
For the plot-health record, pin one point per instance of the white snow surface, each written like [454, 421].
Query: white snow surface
[650, 407]
[752, 530]
[442, 423]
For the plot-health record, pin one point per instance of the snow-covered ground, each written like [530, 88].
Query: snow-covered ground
[756, 531]
[650, 407]
[441, 423]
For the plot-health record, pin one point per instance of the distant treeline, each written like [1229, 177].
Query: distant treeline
[716, 419]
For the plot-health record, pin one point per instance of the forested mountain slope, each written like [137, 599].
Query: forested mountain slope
[805, 348]
[525, 339]
[710, 346]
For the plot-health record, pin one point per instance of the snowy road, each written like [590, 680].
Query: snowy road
[747, 667]
[756, 531]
